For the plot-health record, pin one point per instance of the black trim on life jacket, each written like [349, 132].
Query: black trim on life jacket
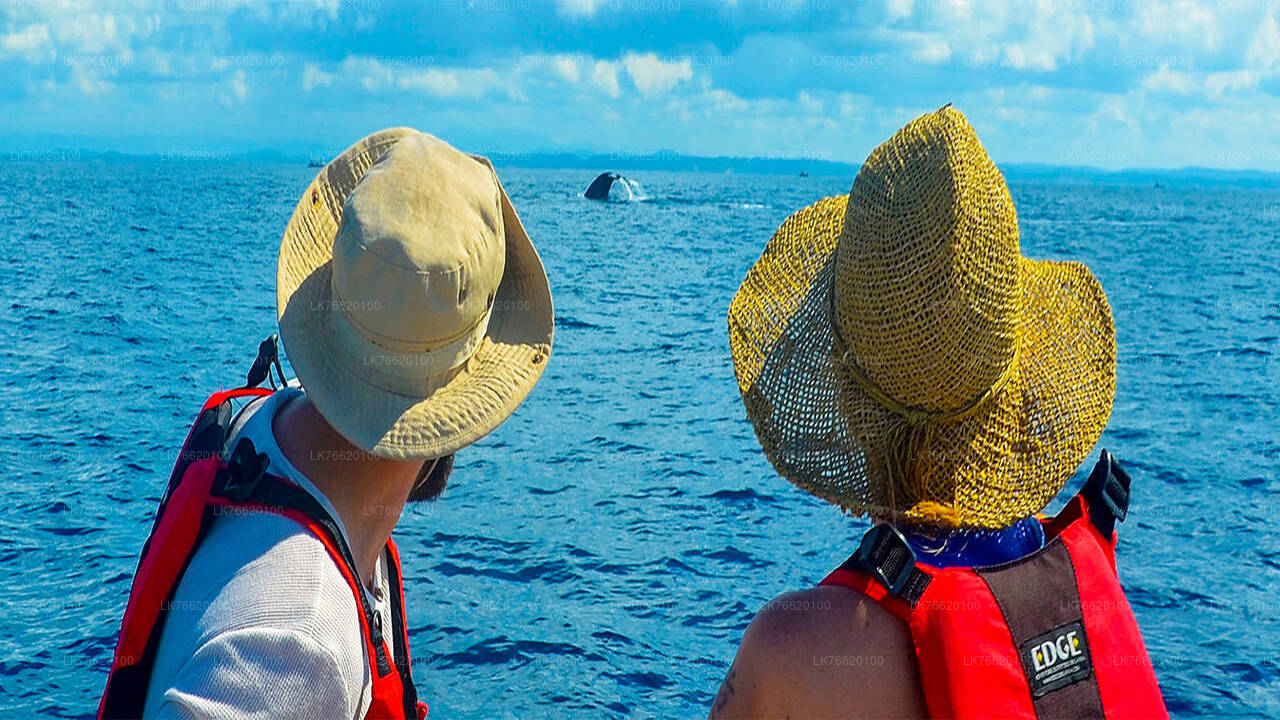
[400, 637]
[244, 479]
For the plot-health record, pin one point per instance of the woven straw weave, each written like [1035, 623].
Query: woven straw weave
[899, 357]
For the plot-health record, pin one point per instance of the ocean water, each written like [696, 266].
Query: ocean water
[601, 553]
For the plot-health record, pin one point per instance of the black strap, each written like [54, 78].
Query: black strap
[245, 479]
[400, 636]
[885, 555]
[268, 357]
[1107, 492]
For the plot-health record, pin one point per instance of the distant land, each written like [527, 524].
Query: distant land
[666, 160]
[671, 161]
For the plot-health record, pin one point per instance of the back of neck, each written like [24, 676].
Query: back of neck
[368, 492]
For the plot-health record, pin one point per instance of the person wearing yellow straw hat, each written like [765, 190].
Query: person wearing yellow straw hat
[899, 358]
[417, 316]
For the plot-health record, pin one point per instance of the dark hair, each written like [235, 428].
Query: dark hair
[432, 479]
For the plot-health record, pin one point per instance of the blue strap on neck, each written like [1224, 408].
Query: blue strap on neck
[975, 548]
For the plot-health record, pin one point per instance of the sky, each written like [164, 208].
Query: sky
[1103, 83]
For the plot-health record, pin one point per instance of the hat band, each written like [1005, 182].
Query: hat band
[408, 373]
[915, 416]
[907, 440]
[918, 416]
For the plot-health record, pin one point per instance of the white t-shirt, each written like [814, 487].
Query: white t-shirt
[263, 624]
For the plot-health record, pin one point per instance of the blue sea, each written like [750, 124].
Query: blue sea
[601, 553]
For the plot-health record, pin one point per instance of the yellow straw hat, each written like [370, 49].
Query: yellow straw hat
[899, 357]
[411, 302]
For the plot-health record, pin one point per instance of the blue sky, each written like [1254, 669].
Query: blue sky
[1108, 83]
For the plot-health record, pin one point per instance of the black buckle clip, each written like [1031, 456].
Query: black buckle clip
[238, 479]
[1109, 484]
[1107, 495]
[881, 548]
[268, 357]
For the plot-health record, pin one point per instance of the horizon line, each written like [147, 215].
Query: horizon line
[652, 160]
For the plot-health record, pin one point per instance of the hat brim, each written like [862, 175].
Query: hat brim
[463, 405]
[822, 431]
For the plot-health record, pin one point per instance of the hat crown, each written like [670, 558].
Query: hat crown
[927, 298]
[420, 249]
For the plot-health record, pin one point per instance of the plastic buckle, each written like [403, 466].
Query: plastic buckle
[239, 478]
[268, 357]
[877, 547]
[1110, 485]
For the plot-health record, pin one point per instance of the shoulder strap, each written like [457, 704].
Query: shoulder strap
[885, 556]
[244, 479]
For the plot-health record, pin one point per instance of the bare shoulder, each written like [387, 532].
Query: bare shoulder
[822, 652]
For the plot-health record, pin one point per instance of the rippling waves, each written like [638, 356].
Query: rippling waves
[601, 553]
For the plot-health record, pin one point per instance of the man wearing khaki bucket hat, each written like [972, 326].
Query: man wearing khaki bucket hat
[417, 316]
[898, 357]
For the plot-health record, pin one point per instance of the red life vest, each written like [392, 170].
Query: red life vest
[201, 485]
[1049, 635]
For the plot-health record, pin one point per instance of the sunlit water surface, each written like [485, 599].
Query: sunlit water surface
[601, 553]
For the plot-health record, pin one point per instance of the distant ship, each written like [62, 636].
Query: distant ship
[804, 173]
[315, 163]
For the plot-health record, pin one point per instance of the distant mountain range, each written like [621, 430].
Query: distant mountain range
[666, 160]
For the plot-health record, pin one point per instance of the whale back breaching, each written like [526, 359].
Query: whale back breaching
[599, 188]
[610, 186]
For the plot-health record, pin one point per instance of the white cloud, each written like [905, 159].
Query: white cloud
[1182, 23]
[932, 52]
[848, 108]
[1033, 35]
[239, 88]
[566, 67]
[1050, 40]
[30, 43]
[91, 80]
[1219, 85]
[579, 8]
[809, 103]
[1264, 51]
[605, 77]
[459, 82]
[313, 77]
[898, 9]
[1170, 81]
[654, 76]
[77, 32]
[157, 62]
[374, 76]
[236, 89]
[368, 72]
[723, 101]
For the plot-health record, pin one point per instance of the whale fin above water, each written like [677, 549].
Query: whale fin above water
[599, 188]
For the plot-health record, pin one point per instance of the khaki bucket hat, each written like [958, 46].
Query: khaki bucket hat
[899, 357]
[411, 302]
